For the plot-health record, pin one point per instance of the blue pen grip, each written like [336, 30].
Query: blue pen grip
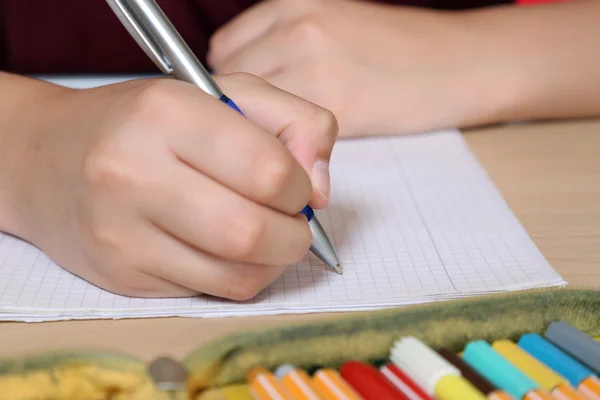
[230, 103]
[307, 211]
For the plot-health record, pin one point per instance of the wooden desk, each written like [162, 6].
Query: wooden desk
[548, 173]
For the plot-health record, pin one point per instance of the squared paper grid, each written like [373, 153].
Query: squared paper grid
[413, 219]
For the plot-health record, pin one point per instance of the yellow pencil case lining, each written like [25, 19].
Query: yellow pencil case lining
[365, 336]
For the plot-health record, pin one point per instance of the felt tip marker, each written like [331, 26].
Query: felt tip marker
[234, 392]
[578, 344]
[435, 375]
[296, 382]
[476, 379]
[580, 376]
[369, 382]
[548, 380]
[331, 386]
[264, 386]
[495, 368]
[403, 382]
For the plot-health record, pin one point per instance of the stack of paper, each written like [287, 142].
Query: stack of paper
[414, 219]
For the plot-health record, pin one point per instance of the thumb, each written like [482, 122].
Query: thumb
[308, 131]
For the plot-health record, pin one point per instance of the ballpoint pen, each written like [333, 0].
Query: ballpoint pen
[154, 33]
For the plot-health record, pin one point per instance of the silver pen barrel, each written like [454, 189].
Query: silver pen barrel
[321, 246]
[157, 28]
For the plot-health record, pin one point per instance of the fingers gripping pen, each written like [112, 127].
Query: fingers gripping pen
[155, 34]
[320, 246]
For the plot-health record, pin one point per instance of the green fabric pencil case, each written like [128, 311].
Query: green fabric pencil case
[222, 364]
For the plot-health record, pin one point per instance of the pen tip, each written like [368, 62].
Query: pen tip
[338, 269]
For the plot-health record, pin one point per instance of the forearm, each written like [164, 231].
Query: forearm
[538, 62]
[19, 104]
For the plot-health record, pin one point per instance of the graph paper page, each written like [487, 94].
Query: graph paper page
[413, 219]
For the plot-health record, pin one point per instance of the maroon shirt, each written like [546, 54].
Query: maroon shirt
[84, 36]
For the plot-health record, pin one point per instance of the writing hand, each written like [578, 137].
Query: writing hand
[153, 188]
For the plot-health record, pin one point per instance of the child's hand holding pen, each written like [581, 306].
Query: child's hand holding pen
[154, 188]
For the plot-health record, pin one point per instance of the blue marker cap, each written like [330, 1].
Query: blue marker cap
[554, 358]
[489, 363]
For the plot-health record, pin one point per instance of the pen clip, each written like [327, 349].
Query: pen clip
[140, 34]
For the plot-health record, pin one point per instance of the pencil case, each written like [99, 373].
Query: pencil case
[222, 364]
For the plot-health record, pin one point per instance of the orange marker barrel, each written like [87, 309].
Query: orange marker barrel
[296, 382]
[264, 386]
[330, 385]
[590, 387]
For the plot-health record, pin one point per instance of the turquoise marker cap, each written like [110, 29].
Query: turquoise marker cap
[554, 358]
[489, 363]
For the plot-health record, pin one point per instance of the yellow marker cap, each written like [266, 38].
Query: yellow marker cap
[529, 365]
[235, 392]
[454, 387]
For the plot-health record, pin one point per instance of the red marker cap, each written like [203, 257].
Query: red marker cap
[404, 383]
[369, 382]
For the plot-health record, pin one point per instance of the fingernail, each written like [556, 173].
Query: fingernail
[321, 178]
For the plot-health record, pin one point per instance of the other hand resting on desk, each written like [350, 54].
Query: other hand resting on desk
[385, 69]
[153, 188]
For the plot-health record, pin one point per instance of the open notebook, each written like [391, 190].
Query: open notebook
[413, 219]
